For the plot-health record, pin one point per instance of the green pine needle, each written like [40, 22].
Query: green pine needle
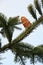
[38, 7]
[5, 26]
[32, 11]
[17, 28]
[13, 21]
[42, 2]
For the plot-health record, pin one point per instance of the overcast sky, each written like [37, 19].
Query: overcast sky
[15, 8]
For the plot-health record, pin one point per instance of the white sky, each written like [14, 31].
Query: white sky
[15, 8]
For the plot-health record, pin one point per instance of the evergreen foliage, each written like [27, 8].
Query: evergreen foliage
[22, 50]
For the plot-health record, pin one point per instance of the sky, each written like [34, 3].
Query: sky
[12, 8]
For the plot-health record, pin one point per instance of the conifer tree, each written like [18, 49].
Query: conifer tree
[22, 50]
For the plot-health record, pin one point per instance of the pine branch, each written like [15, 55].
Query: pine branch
[22, 47]
[27, 52]
[28, 31]
[17, 46]
[25, 33]
[5, 26]
[37, 51]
